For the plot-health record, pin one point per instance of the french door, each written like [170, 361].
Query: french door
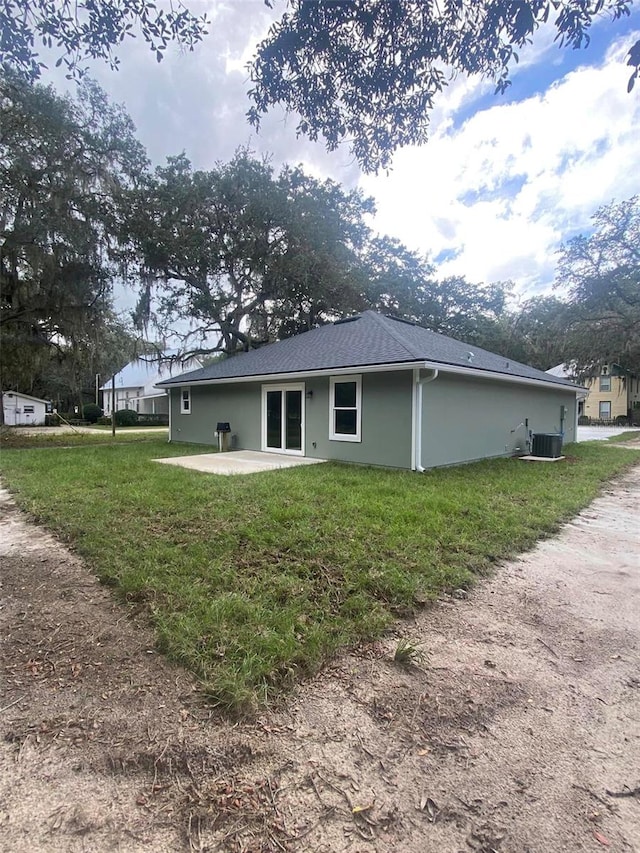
[283, 418]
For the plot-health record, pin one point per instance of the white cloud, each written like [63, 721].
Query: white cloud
[500, 192]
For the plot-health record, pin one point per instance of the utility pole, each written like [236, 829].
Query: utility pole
[113, 405]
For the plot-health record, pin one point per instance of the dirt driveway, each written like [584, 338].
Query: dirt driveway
[518, 731]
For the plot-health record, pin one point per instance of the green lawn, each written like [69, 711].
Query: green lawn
[10, 438]
[631, 435]
[253, 581]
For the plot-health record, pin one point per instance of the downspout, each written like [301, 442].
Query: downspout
[170, 401]
[420, 383]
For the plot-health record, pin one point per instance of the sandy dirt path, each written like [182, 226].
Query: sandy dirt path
[518, 731]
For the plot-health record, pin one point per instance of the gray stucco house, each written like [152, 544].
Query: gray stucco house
[373, 389]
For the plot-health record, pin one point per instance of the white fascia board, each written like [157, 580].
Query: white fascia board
[500, 377]
[303, 374]
[380, 368]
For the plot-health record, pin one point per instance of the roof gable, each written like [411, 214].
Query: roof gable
[365, 340]
[148, 371]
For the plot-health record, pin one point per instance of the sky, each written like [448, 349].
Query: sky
[502, 181]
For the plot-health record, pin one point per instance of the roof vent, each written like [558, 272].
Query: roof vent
[470, 356]
[346, 320]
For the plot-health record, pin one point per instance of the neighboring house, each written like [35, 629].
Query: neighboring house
[375, 390]
[612, 394]
[136, 384]
[23, 409]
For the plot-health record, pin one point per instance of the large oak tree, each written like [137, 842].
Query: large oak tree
[601, 272]
[63, 163]
[369, 71]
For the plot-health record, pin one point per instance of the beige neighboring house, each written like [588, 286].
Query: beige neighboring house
[612, 394]
[136, 384]
[23, 409]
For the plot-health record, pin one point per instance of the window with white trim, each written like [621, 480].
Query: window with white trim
[28, 410]
[605, 410]
[605, 382]
[345, 408]
[185, 401]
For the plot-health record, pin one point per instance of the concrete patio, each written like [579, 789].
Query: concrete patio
[238, 462]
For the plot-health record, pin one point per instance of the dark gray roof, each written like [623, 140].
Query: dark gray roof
[365, 340]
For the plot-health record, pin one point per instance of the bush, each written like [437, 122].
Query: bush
[126, 417]
[583, 420]
[52, 420]
[91, 412]
[105, 420]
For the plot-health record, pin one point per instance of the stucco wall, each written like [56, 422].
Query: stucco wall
[386, 418]
[237, 404]
[386, 421]
[465, 419]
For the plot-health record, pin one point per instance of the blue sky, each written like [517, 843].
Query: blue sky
[502, 181]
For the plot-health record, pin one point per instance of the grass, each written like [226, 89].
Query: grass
[154, 428]
[11, 439]
[253, 581]
[408, 653]
[625, 436]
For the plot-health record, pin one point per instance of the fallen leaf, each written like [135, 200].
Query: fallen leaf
[601, 838]
[360, 809]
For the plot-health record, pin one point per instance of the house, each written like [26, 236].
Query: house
[23, 409]
[136, 383]
[376, 390]
[613, 393]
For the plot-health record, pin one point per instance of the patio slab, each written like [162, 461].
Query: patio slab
[238, 462]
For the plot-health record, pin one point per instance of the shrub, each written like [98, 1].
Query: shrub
[126, 417]
[105, 420]
[52, 420]
[583, 420]
[91, 412]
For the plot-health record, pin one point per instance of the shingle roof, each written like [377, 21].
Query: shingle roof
[365, 340]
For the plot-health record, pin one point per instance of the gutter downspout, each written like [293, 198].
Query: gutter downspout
[420, 383]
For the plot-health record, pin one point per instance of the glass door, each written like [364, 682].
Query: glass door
[283, 418]
[274, 419]
[293, 420]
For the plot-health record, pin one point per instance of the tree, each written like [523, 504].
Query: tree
[535, 333]
[602, 275]
[369, 71]
[61, 163]
[248, 256]
[402, 282]
[85, 29]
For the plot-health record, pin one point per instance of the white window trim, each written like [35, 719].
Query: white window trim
[291, 386]
[338, 436]
[184, 411]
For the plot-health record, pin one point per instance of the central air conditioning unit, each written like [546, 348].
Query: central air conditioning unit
[547, 444]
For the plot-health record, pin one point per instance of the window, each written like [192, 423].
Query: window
[345, 408]
[185, 401]
[605, 383]
[605, 410]
[28, 410]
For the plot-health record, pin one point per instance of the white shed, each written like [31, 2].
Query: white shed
[23, 409]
